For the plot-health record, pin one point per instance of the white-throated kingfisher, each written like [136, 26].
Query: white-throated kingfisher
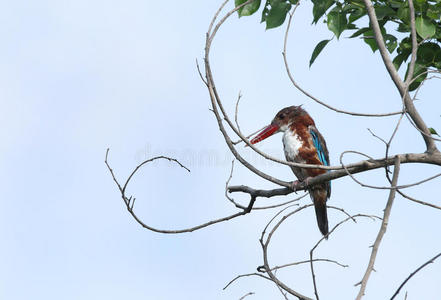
[303, 143]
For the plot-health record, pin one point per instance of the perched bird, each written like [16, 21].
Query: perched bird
[303, 143]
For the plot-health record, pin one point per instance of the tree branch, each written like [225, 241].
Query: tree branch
[382, 230]
[358, 167]
[129, 201]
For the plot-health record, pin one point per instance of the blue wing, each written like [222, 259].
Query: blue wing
[320, 146]
[322, 150]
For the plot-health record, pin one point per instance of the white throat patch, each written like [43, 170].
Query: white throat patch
[291, 145]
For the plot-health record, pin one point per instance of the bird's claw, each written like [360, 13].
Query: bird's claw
[296, 184]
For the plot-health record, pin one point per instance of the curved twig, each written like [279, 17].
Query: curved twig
[296, 85]
[129, 202]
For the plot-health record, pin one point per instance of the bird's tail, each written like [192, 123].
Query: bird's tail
[319, 197]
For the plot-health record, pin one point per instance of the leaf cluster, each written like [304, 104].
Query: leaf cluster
[348, 15]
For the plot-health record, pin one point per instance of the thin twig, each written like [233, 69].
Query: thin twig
[246, 295]
[200, 73]
[245, 275]
[239, 96]
[413, 273]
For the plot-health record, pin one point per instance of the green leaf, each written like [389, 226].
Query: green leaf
[424, 27]
[404, 13]
[317, 51]
[429, 54]
[370, 40]
[395, 4]
[433, 131]
[433, 12]
[421, 5]
[360, 31]
[406, 44]
[399, 59]
[419, 74]
[248, 9]
[383, 11]
[277, 13]
[265, 12]
[337, 22]
[357, 14]
[320, 8]
[391, 42]
[403, 28]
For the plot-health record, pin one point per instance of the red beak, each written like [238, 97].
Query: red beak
[266, 132]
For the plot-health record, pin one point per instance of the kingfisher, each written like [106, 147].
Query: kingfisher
[303, 143]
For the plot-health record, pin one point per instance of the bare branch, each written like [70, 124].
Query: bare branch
[361, 166]
[382, 230]
[216, 15]
[129, 203]
[413, 273]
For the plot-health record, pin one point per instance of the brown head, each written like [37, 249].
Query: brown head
[281, 122]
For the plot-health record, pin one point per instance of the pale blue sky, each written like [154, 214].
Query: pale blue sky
[79, 76]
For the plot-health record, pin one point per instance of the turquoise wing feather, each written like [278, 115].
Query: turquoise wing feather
[322, 150]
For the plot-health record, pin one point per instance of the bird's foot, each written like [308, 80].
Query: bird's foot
[298, 184]
[306, 181]
[295, 185]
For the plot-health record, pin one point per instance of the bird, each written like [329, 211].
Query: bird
[303, 143]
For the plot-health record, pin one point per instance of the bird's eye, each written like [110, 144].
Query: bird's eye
[281, 116]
